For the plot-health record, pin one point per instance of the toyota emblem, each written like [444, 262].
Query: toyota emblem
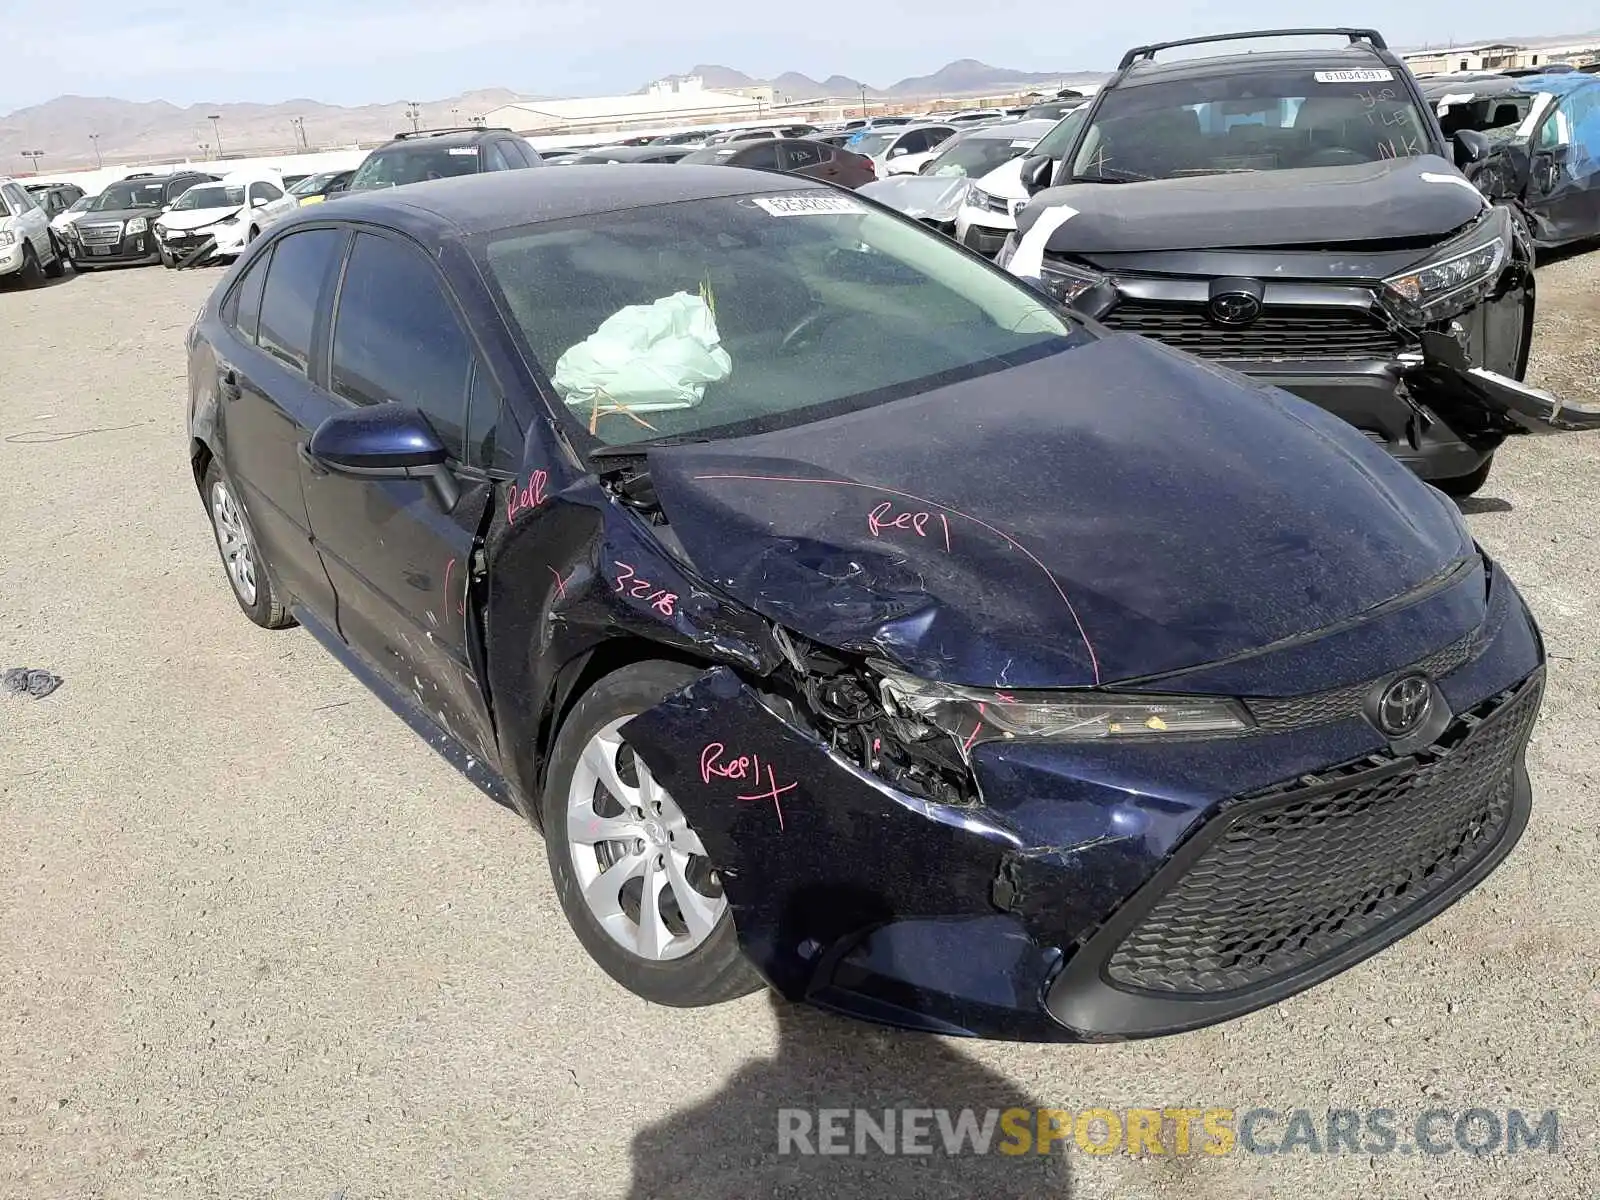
[1235, 308]
[1404, 706]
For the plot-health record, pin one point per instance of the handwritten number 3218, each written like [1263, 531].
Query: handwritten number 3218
[642, 589]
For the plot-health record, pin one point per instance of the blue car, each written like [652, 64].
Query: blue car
[852, 619]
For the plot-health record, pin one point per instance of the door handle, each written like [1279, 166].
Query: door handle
[310, 460]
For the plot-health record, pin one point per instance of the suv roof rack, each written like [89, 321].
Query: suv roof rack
[406, 135]
[1370, 36]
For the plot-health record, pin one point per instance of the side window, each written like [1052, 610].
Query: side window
[763, 157]
[529, 154]
[21, 200]
[242, 308]
[495, 158]
[300, 267]
[492, 440]
[800, 155]
[396, 338]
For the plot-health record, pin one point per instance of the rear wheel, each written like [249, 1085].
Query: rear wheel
[1466, 485]
[630, 871]
[241, 555]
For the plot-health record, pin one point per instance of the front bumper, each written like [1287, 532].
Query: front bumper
[983, 230]
[230, 240]
[98, 250]
[11, 258]
[1105, 891]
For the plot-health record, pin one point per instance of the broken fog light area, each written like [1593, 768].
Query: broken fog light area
[971, 716]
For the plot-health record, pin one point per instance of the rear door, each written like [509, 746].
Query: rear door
[804, 158]
[272, 318]
[399, 563]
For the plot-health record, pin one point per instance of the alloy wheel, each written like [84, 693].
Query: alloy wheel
[233, 539]
[643, 871]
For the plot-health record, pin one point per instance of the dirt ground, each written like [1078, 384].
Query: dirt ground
[256, 940]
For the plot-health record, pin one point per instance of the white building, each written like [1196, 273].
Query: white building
[1501, 56]
[668, 102]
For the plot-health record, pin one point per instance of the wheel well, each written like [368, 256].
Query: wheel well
[200, 462]
[582, 673]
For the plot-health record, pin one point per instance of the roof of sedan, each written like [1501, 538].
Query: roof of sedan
[502, 199]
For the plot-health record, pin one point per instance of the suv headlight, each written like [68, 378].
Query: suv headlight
[137, 225]
[7, 238]
[1456, 277]
[1067, 282]
[973, 715]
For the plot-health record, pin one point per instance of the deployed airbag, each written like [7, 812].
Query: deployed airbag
[645, 358]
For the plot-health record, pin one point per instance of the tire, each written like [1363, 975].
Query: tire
[689, 968]
[1463, 486]
[32, 274]
[248, 578]
[167, 260]
[252, 235]
[58, 263]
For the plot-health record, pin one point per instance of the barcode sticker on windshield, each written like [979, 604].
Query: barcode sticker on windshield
[808, 206]
[1363, 75]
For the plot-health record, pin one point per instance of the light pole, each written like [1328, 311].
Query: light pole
[216, 131]
[455, 116]
[34, 156]
[414, 111]
[863, 88]
[98, 161]
[299, 124]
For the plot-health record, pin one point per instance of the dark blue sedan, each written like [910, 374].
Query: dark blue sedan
[850, 618]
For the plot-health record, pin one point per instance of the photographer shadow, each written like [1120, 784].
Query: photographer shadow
[728, 1148]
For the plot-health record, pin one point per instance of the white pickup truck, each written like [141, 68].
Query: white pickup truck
[26, 248]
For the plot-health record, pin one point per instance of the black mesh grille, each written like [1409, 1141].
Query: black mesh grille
[1303, 872]
[1275, 714]
[1294, 333]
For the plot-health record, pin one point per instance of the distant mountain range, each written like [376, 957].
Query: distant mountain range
[964, 77]
[129, 131]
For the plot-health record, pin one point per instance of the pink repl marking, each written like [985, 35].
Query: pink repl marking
[521, 500]
[746, 766]
[884, 517]
[932, 505]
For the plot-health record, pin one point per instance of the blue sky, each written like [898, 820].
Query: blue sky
[370, 51]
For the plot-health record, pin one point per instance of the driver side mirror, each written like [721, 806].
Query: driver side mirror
[258, 201]
[384, 441]
[1036, 172]
[1471, 147]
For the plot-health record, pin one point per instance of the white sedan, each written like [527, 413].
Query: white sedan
[232, 211]
[989, 211]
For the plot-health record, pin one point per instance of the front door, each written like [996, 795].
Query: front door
[400, 564]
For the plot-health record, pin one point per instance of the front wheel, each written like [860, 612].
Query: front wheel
[241, 554]
[631, 873]
[1463, 486]
[58, 260]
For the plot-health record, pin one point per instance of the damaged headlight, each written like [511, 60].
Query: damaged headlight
[1456, 278]
[1067, 283]
[973, 715]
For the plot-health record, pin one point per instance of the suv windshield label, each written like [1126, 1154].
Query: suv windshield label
[1360, 76]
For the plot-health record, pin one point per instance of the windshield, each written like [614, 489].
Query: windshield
[1251, 121]
[975, 156]
[81, 204]
[874, 144]
[210, 196]
[313, 184]
[120, 196]
[414, 164]
[741, 313]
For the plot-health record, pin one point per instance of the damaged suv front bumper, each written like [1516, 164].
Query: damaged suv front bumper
[1100, 891]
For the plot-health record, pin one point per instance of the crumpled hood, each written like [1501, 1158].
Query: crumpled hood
[1112, 511]
[1394, 198]
[933, 197]
[198, 218]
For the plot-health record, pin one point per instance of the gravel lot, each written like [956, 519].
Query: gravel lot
[257, 940]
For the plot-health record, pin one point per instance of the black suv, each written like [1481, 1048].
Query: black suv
[440, 153]
[1298, 215]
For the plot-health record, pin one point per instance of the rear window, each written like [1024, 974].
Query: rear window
[403, 164]
[766, 309]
